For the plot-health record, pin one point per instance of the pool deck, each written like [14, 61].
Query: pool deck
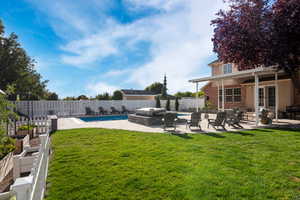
[73, 123]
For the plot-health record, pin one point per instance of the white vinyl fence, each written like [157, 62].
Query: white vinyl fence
[33, 159]
[74, 108]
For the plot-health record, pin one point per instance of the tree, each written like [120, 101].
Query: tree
[157, 103]
[82, 97]
[52, 96]
[70, 98]
[176, 104]
[168, 104]
[104, 96]
[200, 94]
[164, 89]
[183, 94]
[6, 143]
[17, 68]
[255, 33]
[189, 94]
[156, 88]
[117, 95]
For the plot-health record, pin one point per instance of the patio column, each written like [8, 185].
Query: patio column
[218, 92]
[197, 99]
[256, 99]
[276, 96]
[223, 96]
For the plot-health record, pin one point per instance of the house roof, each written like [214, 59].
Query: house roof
[138, 92]
[1, 92]
[213, 62]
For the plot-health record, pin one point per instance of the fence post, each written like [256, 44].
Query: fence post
[17, 166]
[22, 187]
[54, 120]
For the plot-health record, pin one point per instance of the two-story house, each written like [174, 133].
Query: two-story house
[252, 89]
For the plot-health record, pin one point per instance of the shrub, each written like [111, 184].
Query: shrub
[157, 102]
[176, 104]
[26, 127]
[7, 145]
[168, 104]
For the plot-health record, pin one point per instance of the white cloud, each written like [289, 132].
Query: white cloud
[100, 87]
[180, 38]
[116, 73]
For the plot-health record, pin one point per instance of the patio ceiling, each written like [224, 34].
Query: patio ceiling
[239, 74]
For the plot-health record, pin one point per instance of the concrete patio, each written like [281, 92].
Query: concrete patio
[72, 123]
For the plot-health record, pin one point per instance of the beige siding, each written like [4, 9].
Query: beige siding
[285, 91]
[138, 97]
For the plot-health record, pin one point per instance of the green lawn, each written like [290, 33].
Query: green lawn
[114, 164]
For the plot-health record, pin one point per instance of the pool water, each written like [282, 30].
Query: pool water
[112, 117]
[104, 118]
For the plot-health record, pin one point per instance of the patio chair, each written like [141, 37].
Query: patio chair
[219, 121]
[194, 121]
[114, 110]
[89, 111]
[102, 111]
[234, 120]
[124, 110]
[169, 121]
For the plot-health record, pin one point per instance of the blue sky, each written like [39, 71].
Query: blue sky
[90, 47]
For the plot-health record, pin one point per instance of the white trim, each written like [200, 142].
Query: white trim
[239, 74]
[267, 83]
[256, 97]
[276, 97]
[1, 92]
[223, 96]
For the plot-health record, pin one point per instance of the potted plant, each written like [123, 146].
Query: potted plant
[27, 129]
[265, 119]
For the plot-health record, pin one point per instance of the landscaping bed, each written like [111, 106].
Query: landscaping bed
[116, 164]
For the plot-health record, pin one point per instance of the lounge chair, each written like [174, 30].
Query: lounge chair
[124, 110]
[114, 110]
[169, 121]
[89, 111]
[233, 119]
[102, 111]
[219, 121]
[194, 121]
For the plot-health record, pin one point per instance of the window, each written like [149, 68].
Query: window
[261, 97]
[227, 68]
[237, 95]
[272, 96]
[228, 95]
[231, 95]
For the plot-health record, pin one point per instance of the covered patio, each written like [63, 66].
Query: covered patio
[257, 99]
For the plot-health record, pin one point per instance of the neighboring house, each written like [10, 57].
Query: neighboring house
[240, 88]
[138, 95]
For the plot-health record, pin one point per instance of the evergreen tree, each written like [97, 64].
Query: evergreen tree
[157, 102]
[168, 104]
[164, 88]
[176, 104]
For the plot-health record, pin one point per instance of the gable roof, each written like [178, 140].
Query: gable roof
[138, 92]
[213, 62]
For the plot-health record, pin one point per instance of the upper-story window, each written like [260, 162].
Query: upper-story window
[227, 68]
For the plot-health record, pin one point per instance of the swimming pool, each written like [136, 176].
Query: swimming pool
[104, 118]
[113, 117]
